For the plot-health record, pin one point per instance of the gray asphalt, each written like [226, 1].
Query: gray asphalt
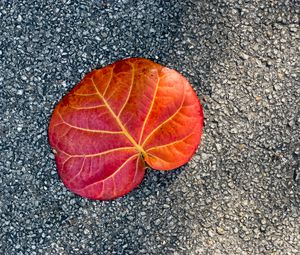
[240, 194]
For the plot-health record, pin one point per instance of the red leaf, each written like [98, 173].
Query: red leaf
[120, 118]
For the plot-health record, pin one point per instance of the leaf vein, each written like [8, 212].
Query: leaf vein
[84, 95]
[168, 144]
[79, 172]
[87, 107]
[110, 176]
[86, 129]
[131, 86]
[108, 84]
[154, 156]
[96, 154]
[150, 110]
[164, 122]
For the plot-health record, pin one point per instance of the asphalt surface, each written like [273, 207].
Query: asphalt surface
[240, 194]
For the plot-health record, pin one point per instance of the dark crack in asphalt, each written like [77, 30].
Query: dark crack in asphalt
[240, 194]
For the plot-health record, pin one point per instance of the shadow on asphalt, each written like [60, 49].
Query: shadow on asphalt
[156, 184]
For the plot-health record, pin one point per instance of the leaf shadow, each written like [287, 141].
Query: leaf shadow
[156, 182]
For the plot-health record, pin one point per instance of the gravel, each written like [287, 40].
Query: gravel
[240, 194]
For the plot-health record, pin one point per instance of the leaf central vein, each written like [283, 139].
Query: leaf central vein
[126, 133]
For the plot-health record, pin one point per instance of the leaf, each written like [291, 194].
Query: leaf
[118, 120]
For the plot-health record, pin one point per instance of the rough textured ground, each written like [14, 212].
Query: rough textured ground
[240, 194]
